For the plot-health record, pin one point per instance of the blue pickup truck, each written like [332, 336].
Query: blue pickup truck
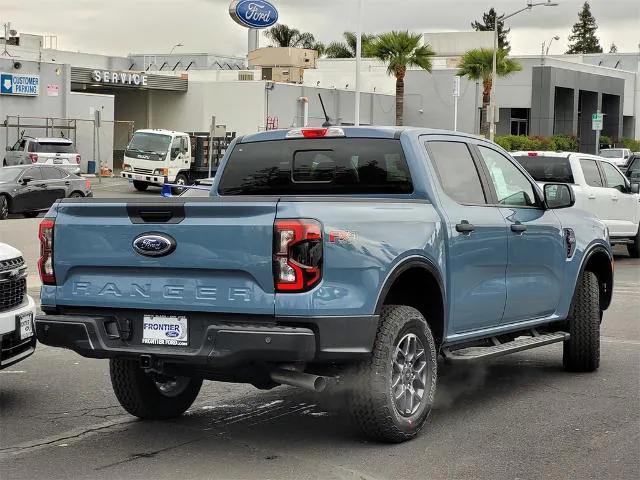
[357, 255]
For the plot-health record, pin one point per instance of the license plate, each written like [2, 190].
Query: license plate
[25, 324]
[165, 330]
[139, 177]
[57, 161]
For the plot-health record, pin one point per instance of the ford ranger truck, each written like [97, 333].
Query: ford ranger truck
[325, 254]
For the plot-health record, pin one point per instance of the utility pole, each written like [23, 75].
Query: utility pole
[356, 117]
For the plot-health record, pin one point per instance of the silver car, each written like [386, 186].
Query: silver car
[44, 151]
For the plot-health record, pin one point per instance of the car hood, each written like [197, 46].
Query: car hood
[7, 252]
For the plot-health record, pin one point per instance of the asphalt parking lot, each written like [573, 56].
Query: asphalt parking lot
[518, 417]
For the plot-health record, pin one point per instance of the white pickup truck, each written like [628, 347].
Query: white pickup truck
[17, 309]
[599, 186]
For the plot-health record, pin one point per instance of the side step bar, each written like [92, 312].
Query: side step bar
[473, 354]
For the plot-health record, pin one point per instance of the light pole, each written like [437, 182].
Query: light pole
[497, 20]
[556, 38]
[174, 47]
[356, 117]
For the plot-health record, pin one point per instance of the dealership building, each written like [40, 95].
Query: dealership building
[49, 92]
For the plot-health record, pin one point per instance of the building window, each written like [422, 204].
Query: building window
[519, 121]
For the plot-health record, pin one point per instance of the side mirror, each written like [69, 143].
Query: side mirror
[635, 188]
[559, 195]
[26, 180]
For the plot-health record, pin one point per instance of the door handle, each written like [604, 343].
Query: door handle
[518, 228]
[41, 185]
[614, 198]
[465, 227]
[591, 196]
[67, 183]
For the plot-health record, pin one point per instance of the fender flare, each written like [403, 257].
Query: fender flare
[404, 265]
[591, 251]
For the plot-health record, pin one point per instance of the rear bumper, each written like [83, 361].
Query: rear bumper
[216, 343]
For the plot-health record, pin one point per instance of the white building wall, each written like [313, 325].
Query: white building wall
[82, 107]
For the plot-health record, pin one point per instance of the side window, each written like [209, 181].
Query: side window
[634, 169]
[51, 173]
[613, 177]
[185, 144]
[512, 187]
[457, 171]
[591, 173]
[22, 144]
[33, 172]
[176, 147]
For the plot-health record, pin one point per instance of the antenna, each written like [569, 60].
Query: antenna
[327, 122]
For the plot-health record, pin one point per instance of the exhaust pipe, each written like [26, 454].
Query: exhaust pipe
[307, 381]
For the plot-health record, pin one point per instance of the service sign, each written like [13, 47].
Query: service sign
[17, 84]
[119, 78]
[253, 13]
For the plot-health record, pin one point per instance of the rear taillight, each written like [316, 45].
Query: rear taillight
[33, 157]
[78, 158]
[87, 184]
[297, 254]
[45, 262]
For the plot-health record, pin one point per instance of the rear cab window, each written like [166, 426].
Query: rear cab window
[326, 166]
[546, 168]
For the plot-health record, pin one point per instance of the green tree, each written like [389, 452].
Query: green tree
[477, 65]
[613, 48]
[401, 50]
[282, 35]
[583, 35]
[347, 49]
[488, 24]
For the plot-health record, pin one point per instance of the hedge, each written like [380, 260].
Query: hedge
[514, 143]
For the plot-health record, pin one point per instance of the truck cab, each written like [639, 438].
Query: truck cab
[156, 157]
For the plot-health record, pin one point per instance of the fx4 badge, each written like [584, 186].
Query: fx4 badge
[342, 236]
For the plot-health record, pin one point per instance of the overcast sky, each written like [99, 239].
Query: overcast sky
[120, 27]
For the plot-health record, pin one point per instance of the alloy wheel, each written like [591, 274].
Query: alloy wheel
[409, 375]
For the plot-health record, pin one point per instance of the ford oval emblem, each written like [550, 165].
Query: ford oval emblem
[172, 334]
[154, 244]
[253, 13]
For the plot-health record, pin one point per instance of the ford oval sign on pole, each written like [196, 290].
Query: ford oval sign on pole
[253, 13]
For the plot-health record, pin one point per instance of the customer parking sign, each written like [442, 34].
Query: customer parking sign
[11, 84]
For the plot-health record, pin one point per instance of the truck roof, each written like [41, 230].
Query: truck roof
[159, 131]
[50, 139]
[355, 132]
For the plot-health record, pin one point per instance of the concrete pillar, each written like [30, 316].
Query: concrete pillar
[574, 123]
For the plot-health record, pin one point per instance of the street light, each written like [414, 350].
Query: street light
[497, 20]
[174, 47]
[556, 38]
[356, 118]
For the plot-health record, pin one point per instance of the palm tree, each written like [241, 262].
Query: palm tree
[347, 49]
[401, 50]
[282, 35]
[477, 65]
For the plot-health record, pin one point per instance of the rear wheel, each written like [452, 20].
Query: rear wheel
[76, 195]
[4, 207]
[634, 248]
[393, 390]
[582, 350]
[152, 397]
[140, 186]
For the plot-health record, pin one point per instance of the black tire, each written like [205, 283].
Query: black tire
[634, 248]
[181, 179]
[4, 207]
[582, 351]
[30, 214]
[140, 186]
[372, 396]
[139, 394]
[76, 195]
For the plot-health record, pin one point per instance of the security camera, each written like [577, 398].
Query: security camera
[17, 65]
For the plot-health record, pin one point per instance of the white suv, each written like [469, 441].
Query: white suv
[44, 151]
[599, 186]
[17, 309]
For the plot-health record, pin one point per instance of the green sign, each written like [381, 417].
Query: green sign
[596, 121]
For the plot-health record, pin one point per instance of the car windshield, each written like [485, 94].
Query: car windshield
[547, 169]
[9, 174]
[147, 142]
[52, 147]
[612, 153]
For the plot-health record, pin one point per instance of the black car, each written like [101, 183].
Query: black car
[29, 189]
[632, 169]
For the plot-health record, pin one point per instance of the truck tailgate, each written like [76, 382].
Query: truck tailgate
[222, 260]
